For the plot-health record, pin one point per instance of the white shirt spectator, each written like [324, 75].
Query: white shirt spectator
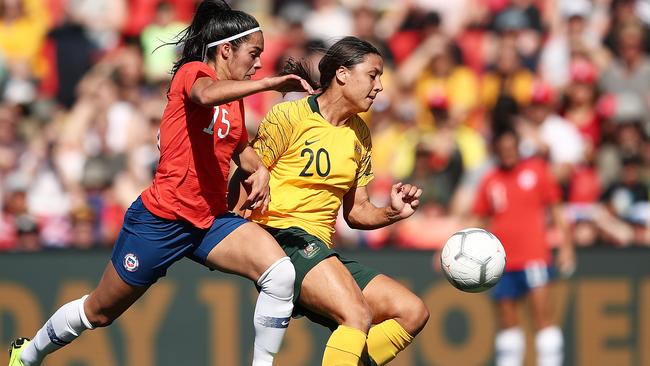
[563, 140]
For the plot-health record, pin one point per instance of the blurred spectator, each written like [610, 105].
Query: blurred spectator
[627, 198]
[576, 26]
[71, 54]
[507, 77]
[158, 54]
[23, 25]
[629, 73]
[328, 21]
[545, 134]
[623, 12]
[580, 102]
[103, 19]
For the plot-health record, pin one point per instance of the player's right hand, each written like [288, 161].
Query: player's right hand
[260, 194]
[289, 83]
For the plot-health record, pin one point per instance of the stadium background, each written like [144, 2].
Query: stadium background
[82, 92]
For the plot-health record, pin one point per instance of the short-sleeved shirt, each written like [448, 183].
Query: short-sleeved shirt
[196, 146]
[516, 202]
[313, 164]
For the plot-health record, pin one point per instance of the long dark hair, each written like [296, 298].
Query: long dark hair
[347, 52]
[213, 20]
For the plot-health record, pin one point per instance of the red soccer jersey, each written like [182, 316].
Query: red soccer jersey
[515, 200]
[196, 145]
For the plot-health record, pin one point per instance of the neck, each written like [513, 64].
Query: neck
[220, 69]
[334, 108]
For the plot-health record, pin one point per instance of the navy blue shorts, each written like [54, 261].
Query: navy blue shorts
[148, 245]
[516, 284]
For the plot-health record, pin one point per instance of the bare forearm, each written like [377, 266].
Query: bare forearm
[370, 217]
[249, 161]
[224, 91]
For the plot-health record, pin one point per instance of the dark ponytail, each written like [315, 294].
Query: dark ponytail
[213, 20]
[347, 52]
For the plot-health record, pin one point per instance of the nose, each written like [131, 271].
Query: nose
[258, 63]
[378, 85]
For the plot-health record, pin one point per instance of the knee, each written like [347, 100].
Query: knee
[357, 315]
[99, 319]
[278, 280]
[414, 315]
[98, 316]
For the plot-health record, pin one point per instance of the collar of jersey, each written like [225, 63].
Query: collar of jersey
[313, 103]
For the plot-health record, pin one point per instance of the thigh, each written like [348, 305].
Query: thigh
[148, 245]
[388, 298]
[235, 245]
[305, 251]
[329, 289]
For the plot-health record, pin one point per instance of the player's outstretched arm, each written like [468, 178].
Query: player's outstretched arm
[209, 92]
[362, 214]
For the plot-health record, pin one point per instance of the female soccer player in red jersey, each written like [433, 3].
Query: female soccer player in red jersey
[184, 212]
[513, 199]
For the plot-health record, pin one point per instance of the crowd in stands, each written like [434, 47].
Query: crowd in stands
[83, 85]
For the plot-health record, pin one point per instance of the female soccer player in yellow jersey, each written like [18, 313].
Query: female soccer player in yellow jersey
[318, 150]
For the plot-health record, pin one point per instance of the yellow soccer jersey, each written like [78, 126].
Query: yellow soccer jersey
[313, 164]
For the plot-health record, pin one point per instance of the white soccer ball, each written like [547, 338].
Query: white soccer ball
[473, 260]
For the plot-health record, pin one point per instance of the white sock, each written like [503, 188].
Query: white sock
[550, 344]
[510, 346]
[62, 328]
[273, 310]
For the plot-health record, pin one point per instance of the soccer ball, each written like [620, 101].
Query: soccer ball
[473, 260]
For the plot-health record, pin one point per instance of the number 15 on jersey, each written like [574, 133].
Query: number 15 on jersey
[224, 127]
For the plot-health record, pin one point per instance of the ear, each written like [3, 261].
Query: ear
[342, 75]
[225, 50]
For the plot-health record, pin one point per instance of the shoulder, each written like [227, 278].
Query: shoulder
[195, 67]
[289, 112]
[359, 126]
[535, 163]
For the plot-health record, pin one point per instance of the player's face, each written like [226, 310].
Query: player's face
[246, 59]
[363, 82]
[507, 151]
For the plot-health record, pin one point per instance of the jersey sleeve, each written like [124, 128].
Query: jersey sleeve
[551, 191]
[274, 134]
[364, 173]
[193, 72]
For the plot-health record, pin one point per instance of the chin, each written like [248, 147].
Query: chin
[365, 107]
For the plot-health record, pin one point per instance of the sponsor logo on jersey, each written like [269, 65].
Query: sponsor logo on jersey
[357, 148]
[131, 262]
[310, 250]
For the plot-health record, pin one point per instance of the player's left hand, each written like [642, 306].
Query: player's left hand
[260, 194]
[404, 199]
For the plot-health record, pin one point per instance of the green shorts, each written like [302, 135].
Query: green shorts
[306, 251]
